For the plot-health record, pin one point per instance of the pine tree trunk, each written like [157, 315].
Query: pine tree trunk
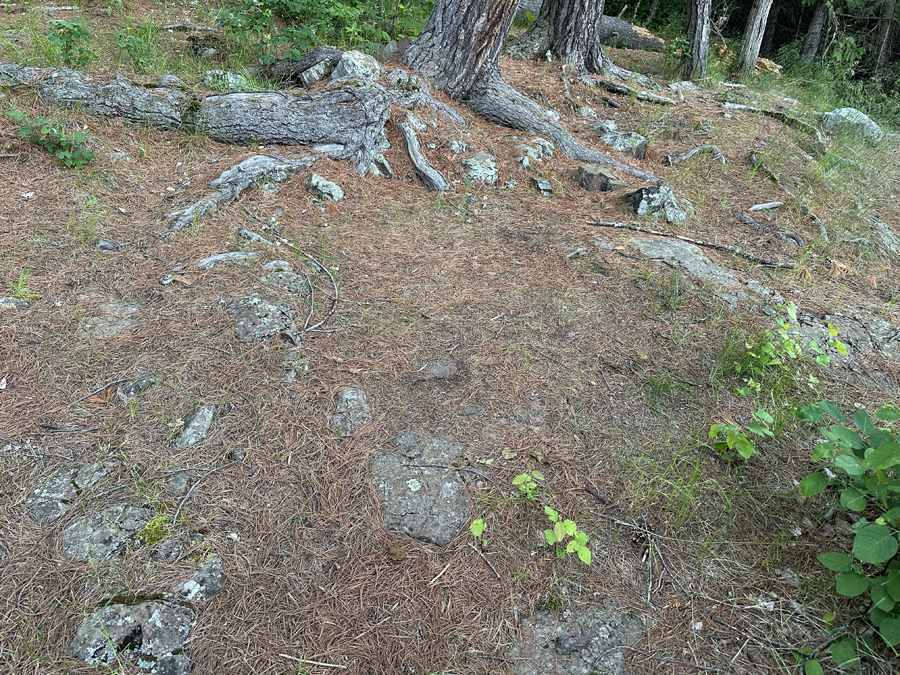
[458, 52]
[771, 26]
[753, 35]
[697, 24]
[652, 13]
[571, 30]
[814, 34]
[885, 35]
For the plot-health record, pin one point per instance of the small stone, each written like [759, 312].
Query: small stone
[119, 157]
[355, 64]
[657, 202]
[323, 188]
[48, 502]
[458, 147]
[106, 245]
[224, 258]
[196, 426]
[14, 303]
[171, 81]
[380, 168]
[252, 237]
[353, 412]
[542, 186]
[177, 484]
[442, 369]
[225, 80]
[136, 388]
[104, 535]
[594, 178]
[585, 111]
[207, 580]
[256, 319]
[480, 168]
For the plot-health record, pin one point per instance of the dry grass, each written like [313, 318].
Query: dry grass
[625, 373]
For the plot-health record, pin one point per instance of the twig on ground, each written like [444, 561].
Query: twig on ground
[25, 587]
[53, 429]
[197, 482]
[487, 562]
[594, 493]
[313, 663]
[698, 242]
[97, 391]
[440, 574]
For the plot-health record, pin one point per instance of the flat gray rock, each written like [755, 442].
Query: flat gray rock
[294, 283]
[48, 502]
[230, 257]
[14, 303]
[684, 256]
[854, 121]
[629, 142]
[657, 201]
[584, 641]
[207, 580]
[885, 234]
[441, 369]
[354, 64]
[196, 426]
[150, 632]
[480, 168]
[427, 503]
[352, 412]
[256, 319]
[114, 317]
[544, 187]
[104, 535]
[324, 188]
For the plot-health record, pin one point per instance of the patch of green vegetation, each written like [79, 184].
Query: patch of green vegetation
[20, 288]
[67, 146]
[156, 529]
[72, 39]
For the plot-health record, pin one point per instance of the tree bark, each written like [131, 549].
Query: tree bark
[652, 13]
[885, 35]
[753, 35]
[814, 34]
[458, 52]
[771, 26]
[697, 25]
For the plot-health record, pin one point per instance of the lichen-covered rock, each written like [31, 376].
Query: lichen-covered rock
[14, 303]
[225, 258]
[352, 412]
[196, 426]
[854, 121]
[544, 187]
[428, 503]
[225, 80]
[657, 201]
[256, 319]
[207, 580]
[268, 168]
[380, 167]
[356, 65]
[324, 188]
[480, 168]
[49, 501]
[582, 641]
[629, 142]
[294, 283]
[103, 536]
[154, 633]
[594, 178]
[682, 255]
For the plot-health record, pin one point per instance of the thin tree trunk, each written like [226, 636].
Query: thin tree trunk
[771, 26]
[652, 13]
[753, 35]
[697, 24]
[814, 34]
[885, 35]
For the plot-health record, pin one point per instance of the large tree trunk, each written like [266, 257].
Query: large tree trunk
[458, 52]
[753, 35]
[697, 24]
[885, 35]
[769, 38]
[571, 30]
[814, 34]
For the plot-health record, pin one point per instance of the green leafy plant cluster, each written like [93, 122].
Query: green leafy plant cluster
[563, 534]
[732, 440]
[72, 39]
[67, 146]
[136, 43]
[861, 461]
[779, 350]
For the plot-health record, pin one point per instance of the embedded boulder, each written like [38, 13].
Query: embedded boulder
[196, 426]
[257, 319]
[594, 178]
[207, 580]
[104, 535]
[358, 66]
[629, 142]
[657, 201]
[480, 168]
[153, 633]
[352, 412]
[421, 494]
[51, 500]
[854, 121]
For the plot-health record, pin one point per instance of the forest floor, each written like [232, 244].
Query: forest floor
[563, 349]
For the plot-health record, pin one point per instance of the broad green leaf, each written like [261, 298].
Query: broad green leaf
[581, 537]
[828, 617]
[571, 546]
[560, 531]
[764, 416]
[537, 474]
[745, 448]
[849, 465]
[570, 527]
[824, 450]
[810, 413]
[864, 422]
[521, 478]
[846, 437]
[839, 346]
[853, 499]
[892, 515]
[890, 631]
[851, 584]
[477, 527]
[874, 544]
[844, 651]
[813, 483]
[880, 437]
[760, 430]
[827, 407]
[892, 585]
[584, 554]
[881, 599]
[812, 667]
[885, 457]
[837, 562]
[550, 536]
[877, 617]
[551, 513]
[888, 413]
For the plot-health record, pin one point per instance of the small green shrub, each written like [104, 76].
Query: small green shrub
[136, 43]
[71, 38]
[731, 440]
[862, 466]
[67, 146]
